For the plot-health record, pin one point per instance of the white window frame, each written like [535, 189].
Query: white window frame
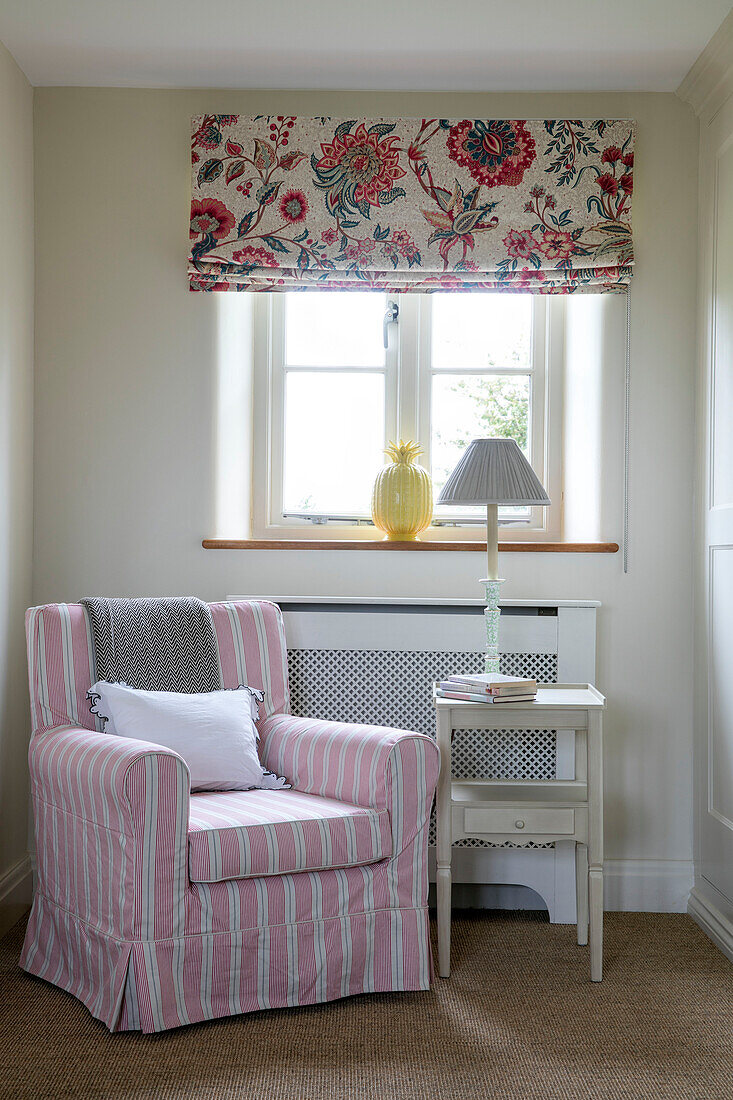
[408, 379]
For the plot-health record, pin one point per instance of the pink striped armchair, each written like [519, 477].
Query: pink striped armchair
[157, 907]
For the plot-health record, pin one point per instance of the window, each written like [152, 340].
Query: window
[330, 395]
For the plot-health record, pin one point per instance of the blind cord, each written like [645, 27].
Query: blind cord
[627, 410]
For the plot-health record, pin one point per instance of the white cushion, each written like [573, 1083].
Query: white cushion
[213, 731]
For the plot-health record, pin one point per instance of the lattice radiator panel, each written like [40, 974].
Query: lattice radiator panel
[393, 688]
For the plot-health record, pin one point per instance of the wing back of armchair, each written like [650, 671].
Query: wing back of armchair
[250, 638]
[60, 666]
[252, 651]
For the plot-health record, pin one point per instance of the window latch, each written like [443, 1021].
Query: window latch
[391, 314]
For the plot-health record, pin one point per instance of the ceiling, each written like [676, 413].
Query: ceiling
[491, 45]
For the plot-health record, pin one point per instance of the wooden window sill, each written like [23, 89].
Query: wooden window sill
[364, 544]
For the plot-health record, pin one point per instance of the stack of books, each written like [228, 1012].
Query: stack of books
[489, 687]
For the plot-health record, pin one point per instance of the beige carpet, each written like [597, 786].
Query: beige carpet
[518, 1018]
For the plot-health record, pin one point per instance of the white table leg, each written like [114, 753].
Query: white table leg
[595, 843]
[444, 839]
[581, 891]
[595, 898]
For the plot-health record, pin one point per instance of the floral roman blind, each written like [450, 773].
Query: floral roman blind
[400, 204]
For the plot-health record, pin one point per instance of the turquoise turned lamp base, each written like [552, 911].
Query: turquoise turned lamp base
[491, 622]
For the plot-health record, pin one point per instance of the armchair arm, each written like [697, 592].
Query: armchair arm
[374, 766]
[111, 820]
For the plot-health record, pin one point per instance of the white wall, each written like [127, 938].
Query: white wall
[126, 402]
[16, 457]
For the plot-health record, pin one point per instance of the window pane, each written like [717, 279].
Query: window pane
[469, 406]
[479, 331]
[334, 329]
[334, 439]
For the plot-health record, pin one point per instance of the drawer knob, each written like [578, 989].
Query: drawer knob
[519, 824]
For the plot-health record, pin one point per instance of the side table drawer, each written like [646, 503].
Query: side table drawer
[479, 821]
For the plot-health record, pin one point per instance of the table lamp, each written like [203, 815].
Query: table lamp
[493, 472]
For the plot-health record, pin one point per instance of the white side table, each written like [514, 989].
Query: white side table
[539, 810]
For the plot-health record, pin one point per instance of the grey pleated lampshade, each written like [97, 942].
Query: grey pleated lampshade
[493, 471]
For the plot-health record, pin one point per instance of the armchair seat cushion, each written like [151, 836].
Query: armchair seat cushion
[246, 834]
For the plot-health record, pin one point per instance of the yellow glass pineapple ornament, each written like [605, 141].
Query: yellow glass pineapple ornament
[402, 498]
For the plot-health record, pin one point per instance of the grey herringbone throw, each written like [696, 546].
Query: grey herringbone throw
[161, 644]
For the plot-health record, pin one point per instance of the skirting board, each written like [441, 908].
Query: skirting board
[716, 924]
[647, 885]
[16, 890]
[629, 885]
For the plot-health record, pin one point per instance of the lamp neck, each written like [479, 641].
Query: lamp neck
[492, 542]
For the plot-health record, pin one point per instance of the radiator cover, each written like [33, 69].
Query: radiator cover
[374, 661]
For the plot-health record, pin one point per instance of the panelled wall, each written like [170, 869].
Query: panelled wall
[709, 87]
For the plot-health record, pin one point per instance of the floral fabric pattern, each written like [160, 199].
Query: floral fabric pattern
[494, 152]
[288, 203]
